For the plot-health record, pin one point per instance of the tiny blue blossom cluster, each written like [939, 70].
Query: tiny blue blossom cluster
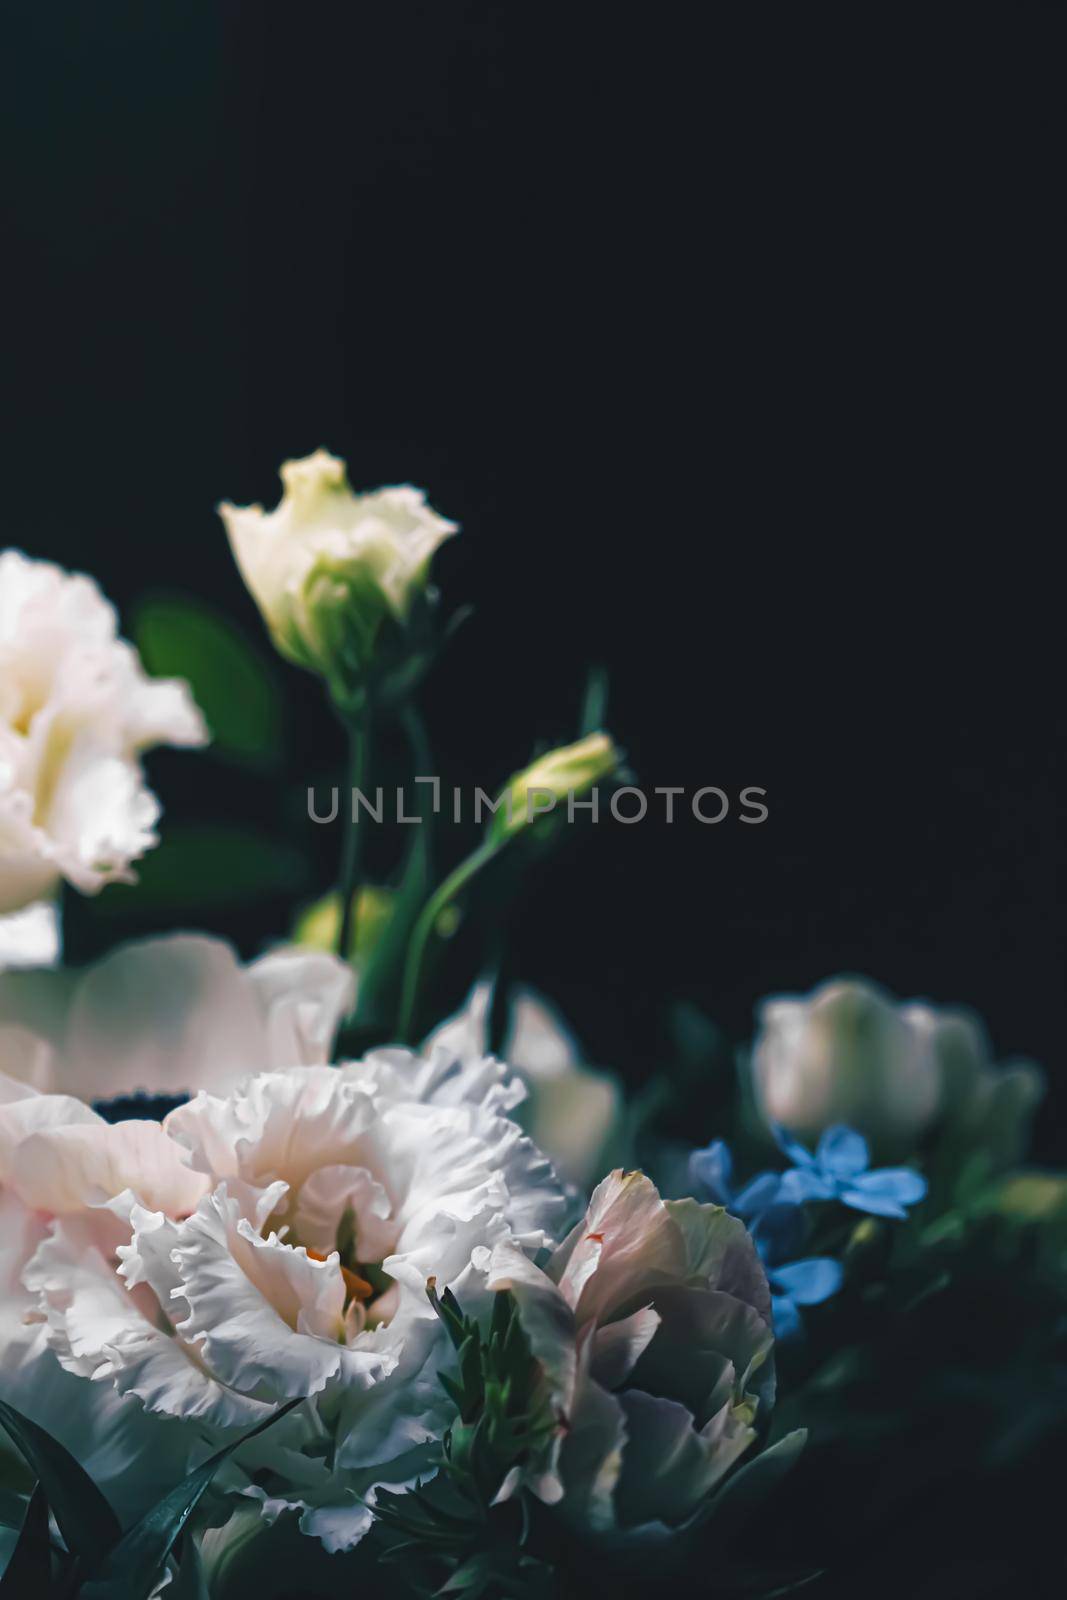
[771, 1206]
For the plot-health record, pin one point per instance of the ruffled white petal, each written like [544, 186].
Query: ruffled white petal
[76, 711]
[266, 1317]
[573, 1112]
[85, 1164]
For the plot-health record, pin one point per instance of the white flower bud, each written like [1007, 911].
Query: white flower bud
[330, 569]
[846, 1053]
[850, 1053]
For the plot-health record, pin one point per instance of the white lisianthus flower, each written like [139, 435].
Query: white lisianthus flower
[329, 568]
[76, 712]
[154, 1020]
[573, 1113]
[133, 1456]
[167, 1016]
[849, 1053]
[336, 1194]
[652, 1325]
[267, 1244]
[985, 1110]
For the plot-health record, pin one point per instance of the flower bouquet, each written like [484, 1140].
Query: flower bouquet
[315, 1283]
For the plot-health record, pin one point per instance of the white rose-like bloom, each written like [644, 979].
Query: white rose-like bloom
[574, 1113]
[156, 1018]
[328, 567]
[337, 1193]
[652, 1325]
[849, 1053]
[76, 712]
[275, 1244]
[74, 1202]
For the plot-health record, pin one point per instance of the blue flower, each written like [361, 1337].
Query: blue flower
[711, 1172]
[839, 1171]
[777, 1234]
[776, 1226]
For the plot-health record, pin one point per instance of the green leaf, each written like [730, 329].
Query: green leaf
[744, 1493]
[12, 1508]
[29, 1571]
[197, 867]
[86, 1521]
[135, 1562]
[232, 683]
[472, 1578]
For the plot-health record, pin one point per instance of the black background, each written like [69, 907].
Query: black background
[732, 338]
[728, 339]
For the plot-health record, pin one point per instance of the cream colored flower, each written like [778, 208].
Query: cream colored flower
[573, 1113]
[59, 1166]
[154, 1019]
[329, 568]
[169, 1016]
[652, 1326]
[336, 1193]
[76, 712]
[849, 1053]
[265, 1244]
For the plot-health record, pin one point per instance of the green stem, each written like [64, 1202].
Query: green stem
[359, 738]
[441, 898]
[422, 756]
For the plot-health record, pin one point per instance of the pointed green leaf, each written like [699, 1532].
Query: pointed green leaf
[472, 1577]
[231, 681]
[12, 1508]
[453, 1390]
[29, 1571]
[135, 1563]
[86, 1521]
[207, 865]
[744, 1493]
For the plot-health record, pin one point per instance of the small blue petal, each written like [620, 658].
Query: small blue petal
[711, 1169]
[791, 1147]
[787, 1324]
[843, 1153]
[901, 1184]
[876, 1205]
[809, 1282]
[757, 1195]
[801, 1185]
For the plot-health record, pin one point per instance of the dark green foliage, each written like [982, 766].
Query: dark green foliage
[29, 1572]
[86, 1521]
[100, 1562]
[449, 1536]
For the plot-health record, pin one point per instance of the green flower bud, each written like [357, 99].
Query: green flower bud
[572, 770]
[340, 578]
[319, 925]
